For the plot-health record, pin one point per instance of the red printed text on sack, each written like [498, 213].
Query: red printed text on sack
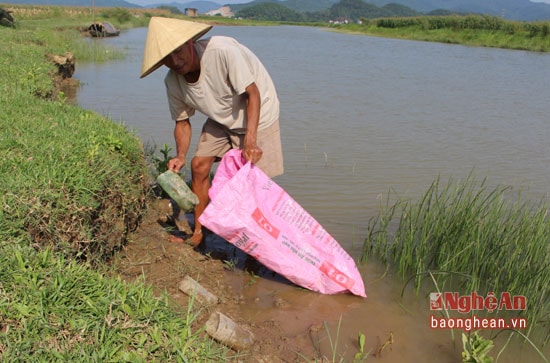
[336, 275]
[258, 216]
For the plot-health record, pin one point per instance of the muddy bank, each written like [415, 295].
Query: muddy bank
[289, 324]
[282, 331]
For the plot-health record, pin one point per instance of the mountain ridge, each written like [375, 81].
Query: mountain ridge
[523, 10]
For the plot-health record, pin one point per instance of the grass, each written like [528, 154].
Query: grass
[473, 30]
[469, 237]
[63, 167]
[73, 186]
[55, 309]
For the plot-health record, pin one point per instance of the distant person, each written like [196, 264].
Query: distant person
[225, 81]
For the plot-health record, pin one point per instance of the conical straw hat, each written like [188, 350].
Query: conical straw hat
[163, 36]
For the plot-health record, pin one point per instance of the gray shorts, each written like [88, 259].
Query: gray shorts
[216, 140]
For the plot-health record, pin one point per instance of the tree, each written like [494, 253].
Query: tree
[171, 9]
[270, 11]
[400, 10]
[356, 9]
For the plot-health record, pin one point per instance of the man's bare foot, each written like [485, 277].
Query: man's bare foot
[195, 240]
[176, 239]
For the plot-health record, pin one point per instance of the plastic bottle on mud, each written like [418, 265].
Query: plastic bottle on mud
[229, 333]
[193, 288]
[178, 190]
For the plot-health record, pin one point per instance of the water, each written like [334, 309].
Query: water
[361, 116]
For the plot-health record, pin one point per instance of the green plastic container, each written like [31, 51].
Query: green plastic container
[178, 190]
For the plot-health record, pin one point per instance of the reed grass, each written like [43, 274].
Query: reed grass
[470, 237]
[474, 30]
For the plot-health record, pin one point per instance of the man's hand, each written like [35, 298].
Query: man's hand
[175, 164]
[252, 153]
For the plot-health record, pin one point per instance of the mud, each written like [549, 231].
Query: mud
[229, 275]
[289, 323]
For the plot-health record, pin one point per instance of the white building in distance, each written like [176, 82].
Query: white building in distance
[224, 11]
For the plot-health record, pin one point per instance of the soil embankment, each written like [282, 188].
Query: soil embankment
[163, 264]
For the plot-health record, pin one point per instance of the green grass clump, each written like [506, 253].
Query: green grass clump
[473, 30]
[471, 239]
[73, 185]
[68, 36]
[71, 179]
[54, 309]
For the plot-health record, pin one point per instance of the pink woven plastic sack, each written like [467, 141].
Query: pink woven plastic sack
[252, 212]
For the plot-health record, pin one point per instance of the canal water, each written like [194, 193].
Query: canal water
[361, 117]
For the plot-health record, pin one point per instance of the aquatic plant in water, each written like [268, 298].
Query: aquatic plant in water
[470, 238]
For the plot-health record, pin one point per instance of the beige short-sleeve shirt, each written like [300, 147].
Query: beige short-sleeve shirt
[227, 68]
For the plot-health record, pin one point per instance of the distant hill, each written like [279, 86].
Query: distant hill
[508, 9]
[300, 6]
[98, 3]
[308, 5]
[344, 10]
[201, 6]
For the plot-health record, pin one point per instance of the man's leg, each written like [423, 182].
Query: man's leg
[200, 184]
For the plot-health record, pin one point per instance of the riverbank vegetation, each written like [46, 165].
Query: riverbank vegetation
[473, 30]
[74, 185]
[398, 21]
[464, 236]
[392, 22]
[47, 17]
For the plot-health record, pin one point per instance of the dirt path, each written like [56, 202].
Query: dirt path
[164, 265]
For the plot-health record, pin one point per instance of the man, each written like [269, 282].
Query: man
[225, 81]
